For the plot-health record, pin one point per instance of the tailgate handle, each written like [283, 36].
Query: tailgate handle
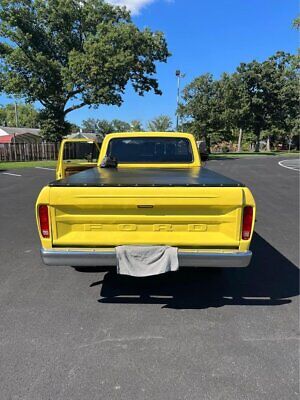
[145, 206]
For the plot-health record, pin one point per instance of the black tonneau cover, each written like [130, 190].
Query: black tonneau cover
[147, 177]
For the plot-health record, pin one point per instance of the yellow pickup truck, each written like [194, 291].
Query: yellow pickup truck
[145, 189]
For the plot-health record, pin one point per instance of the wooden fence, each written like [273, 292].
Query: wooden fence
[28, 151]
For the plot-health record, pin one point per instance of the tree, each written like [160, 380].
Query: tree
[27, 115]
[259, 98]
[136, 126]
[68, 54]
[296, 23]
[103, 126]
[75, 128]
[162, 123]
[89, 125]
[120, 126]
[202, 106]
[268, 94]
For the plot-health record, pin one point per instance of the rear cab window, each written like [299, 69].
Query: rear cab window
[151, 150]
[80, 152]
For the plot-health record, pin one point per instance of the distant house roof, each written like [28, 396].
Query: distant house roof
[19, 135]
[25, 138]
[8, 130]
[6, 138]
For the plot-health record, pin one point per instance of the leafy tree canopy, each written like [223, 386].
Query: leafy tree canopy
[259, 96]
[296, 23]
[103, 127]
[120, 126]
[268, 93]
[27, 116]
[162, 123]
[136, 126]
[67, 54]
[202, 106]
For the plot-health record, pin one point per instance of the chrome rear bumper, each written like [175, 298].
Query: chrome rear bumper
[107, 257]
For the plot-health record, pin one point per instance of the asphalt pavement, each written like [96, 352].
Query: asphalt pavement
[195, 334]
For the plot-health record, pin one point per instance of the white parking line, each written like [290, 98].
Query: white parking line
[49, 169]
[9, 173]
[290, 164]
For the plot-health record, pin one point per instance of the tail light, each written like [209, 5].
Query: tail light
[44, 221]
[247, 222]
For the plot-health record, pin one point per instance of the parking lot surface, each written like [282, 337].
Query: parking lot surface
[195, 334]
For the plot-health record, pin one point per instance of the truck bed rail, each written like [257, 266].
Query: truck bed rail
[147, 177]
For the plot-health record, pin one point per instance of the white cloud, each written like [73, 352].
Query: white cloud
[133, 5]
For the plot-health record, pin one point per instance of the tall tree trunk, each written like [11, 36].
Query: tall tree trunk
[239, 149]
[257, 143]
[268, 144]
[207, 140]
[53, 124]
[290, 142]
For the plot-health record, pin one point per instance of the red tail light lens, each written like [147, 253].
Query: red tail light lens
[44, 221]
[247, 222]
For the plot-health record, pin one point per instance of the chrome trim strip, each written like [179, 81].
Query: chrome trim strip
[107, 257]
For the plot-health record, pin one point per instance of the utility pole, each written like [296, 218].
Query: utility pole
[16, 115]
[179, 75]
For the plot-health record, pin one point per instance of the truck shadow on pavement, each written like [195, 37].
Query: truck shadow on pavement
[270, 280]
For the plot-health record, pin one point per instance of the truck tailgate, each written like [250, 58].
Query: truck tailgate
[202, 217]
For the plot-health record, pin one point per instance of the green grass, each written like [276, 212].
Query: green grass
[251, 154]
[27, 164]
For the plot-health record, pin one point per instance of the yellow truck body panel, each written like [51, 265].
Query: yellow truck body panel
[95, 219]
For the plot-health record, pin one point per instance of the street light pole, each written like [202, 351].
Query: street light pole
[179, 76]
[16, 115]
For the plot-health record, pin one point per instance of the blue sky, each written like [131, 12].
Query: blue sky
[203, 36]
